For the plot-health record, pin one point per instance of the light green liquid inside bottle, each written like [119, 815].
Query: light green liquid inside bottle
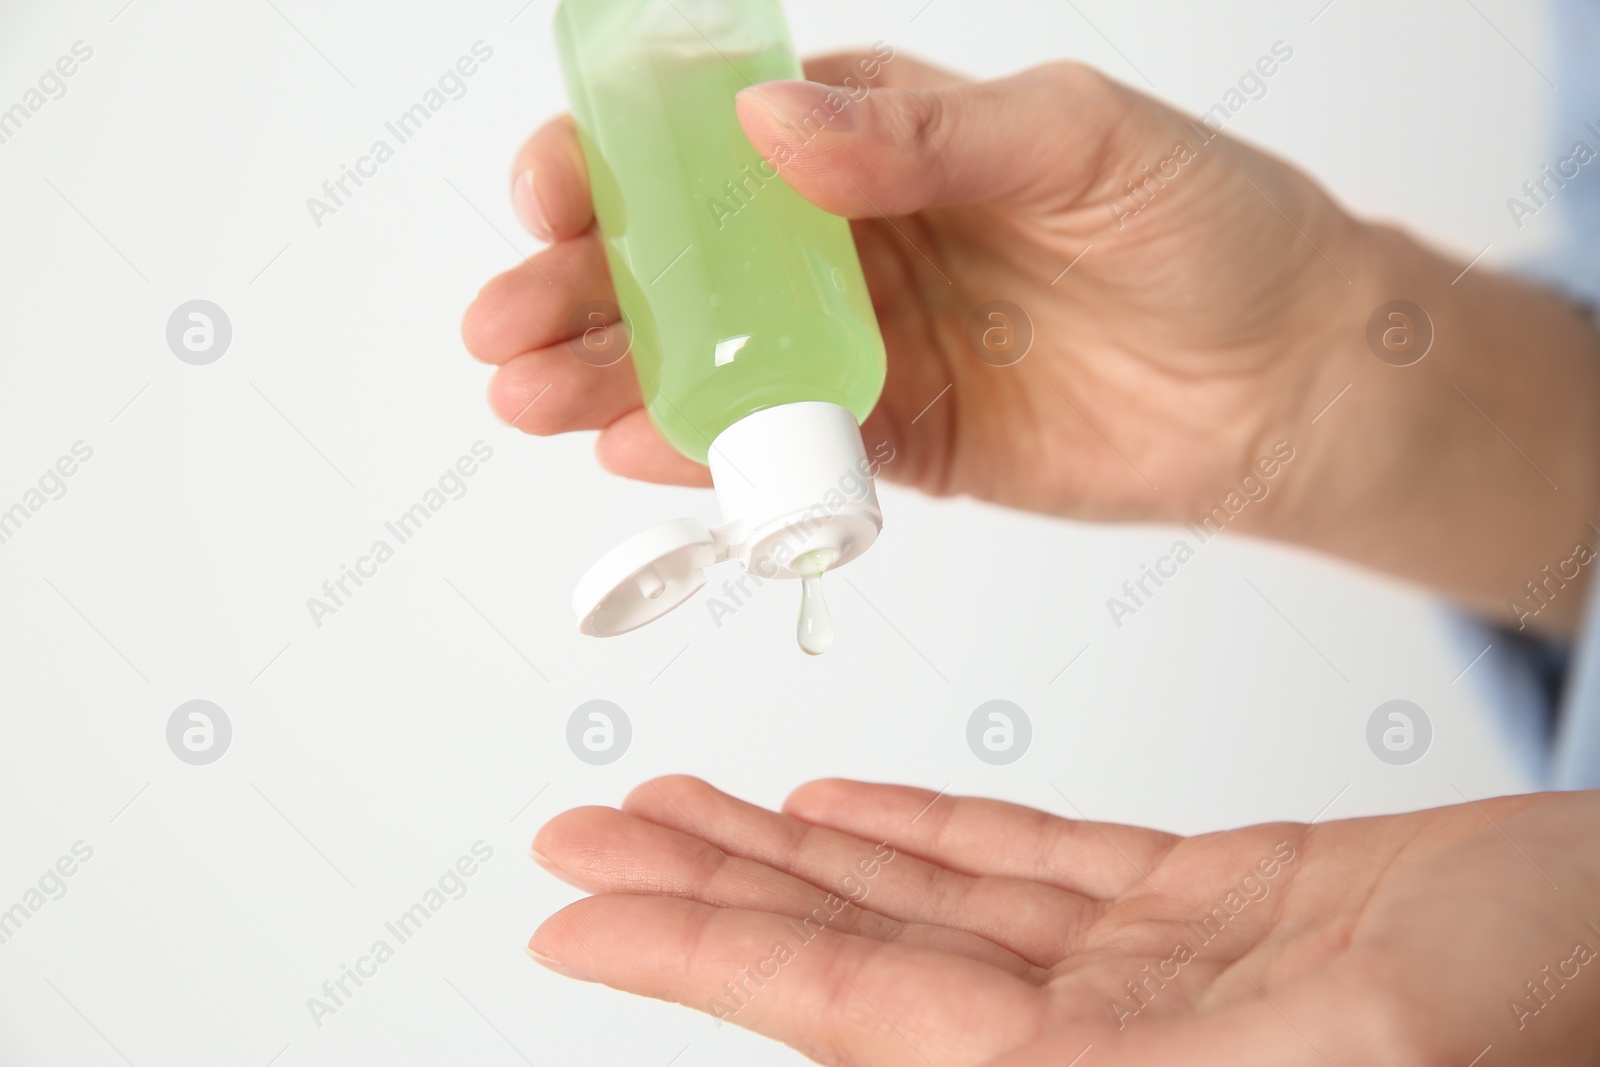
[740, 295]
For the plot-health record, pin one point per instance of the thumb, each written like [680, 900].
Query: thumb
[1039, 140]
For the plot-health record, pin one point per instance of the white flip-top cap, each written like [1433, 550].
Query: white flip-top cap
[645, 577]
[792, 480]
[795, 487]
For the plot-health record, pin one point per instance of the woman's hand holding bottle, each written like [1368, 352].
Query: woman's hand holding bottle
[1193, 304]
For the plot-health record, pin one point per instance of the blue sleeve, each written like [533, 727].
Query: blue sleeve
[1575, 762]
[1567, 681]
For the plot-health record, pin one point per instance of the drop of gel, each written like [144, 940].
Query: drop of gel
[815, 631]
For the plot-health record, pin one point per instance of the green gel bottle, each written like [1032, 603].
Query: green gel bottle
[750, 326]
[740, 294]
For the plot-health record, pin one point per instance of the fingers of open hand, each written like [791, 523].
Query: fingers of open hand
[603, 850]
[836, 997]
[976, 836]
[1037, 922]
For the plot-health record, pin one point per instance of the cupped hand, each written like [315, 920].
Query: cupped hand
[885, 926]
[1186, 334]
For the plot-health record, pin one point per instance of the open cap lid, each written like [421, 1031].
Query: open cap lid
[795, 488]
[645, 577]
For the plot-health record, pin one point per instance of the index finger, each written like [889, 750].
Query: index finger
[978, 836]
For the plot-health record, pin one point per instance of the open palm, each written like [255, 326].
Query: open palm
[884, 925]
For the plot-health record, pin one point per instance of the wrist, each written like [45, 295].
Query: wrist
[1474, 470]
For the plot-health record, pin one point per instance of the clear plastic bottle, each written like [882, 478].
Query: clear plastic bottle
[740, 294]
[751, 329]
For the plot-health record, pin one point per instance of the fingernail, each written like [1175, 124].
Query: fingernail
[559, 968]
[809, 108]
[544, 861]
[525, 199]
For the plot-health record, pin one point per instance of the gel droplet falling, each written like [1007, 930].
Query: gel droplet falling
[815, 631]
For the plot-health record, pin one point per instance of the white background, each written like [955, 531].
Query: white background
[371, 753]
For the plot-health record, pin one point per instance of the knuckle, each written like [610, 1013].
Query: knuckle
[1090, 92]
[920, 124]
[925, 122]
[1075, 77]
